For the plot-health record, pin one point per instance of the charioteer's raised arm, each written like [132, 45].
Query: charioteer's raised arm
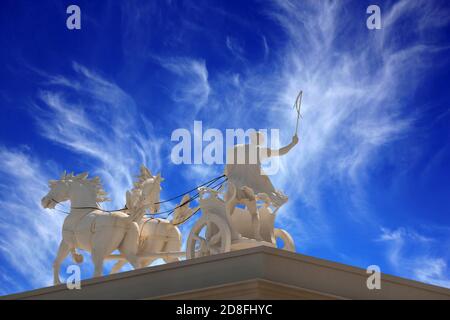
[282, 151]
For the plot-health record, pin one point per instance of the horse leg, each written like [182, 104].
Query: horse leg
[145, 262]
[97, 258]
[99, 252]
[172, 246]
[166, 247]
[251, 205]
[130, 243]
[63, 251]
[133, 260]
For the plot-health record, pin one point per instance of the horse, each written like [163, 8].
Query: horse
[149, 187]
[160, 238]
[89, 228]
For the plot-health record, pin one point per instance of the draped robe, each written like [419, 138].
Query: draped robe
[243, 168]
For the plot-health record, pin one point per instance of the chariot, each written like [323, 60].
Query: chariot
[224, 227]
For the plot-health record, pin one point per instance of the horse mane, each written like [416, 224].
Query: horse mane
[145, 174]
[93, 182]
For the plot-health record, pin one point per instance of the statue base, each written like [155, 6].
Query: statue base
[256, 273]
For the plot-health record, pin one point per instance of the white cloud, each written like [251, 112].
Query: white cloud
[87, 115]
[23, 221]
[193, 86]
[353, 102]
[101, 123]
[351, 105]
[235, 47]
[433, 270]
[412, 256]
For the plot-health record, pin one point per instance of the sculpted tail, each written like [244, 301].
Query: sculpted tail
[77, 258]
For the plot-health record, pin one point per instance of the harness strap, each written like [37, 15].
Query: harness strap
[169, 212]
[93, 225]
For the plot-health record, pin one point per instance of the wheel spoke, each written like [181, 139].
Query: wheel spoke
[210, 236]
[198, 238]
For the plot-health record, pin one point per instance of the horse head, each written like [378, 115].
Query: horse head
[72, 187]
[59, 192]
[148, 188]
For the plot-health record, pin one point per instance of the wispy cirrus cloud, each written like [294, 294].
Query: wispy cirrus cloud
[192, 86]
[92, 116]
[348, 98]
[235, 47]
[351, 103]
[414, 255]
[24, 222]
[351, 98]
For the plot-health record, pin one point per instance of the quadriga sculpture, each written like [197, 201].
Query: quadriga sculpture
[222, 226]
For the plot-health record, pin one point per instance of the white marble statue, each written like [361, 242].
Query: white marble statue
[212, 233]
[249, 179]
[89, 228]
[147, 188]
[242, 216]
[158, 238]
[224, 225]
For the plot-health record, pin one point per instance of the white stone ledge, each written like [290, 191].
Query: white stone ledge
[255, 273]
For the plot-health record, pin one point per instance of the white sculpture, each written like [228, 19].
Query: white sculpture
[158, 238]
[222, 227]
[89, 228]
[212, 233]
[139, 240]
[147, 190]
[249, 179]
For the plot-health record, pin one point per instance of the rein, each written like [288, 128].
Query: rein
[168, 212]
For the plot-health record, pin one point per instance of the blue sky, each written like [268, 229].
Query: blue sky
[368, 183]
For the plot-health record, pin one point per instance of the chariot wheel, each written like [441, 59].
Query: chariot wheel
[283, 235]
[210, 235]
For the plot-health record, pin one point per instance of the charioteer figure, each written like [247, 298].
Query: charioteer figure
[243, 170]
[246, 176]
